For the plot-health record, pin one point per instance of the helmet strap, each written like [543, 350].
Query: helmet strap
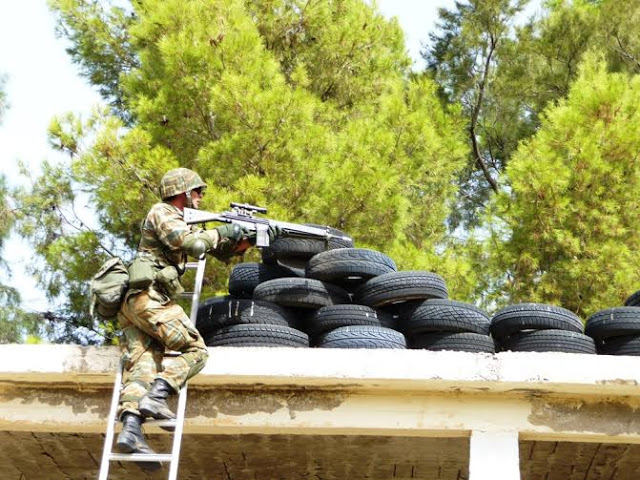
[189, 200]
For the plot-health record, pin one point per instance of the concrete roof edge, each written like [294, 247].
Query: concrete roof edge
[418, 370]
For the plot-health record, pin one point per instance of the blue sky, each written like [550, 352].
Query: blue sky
[42, 83]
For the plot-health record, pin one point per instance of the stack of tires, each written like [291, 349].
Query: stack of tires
[357, 324]
[310, 292]
[535, 327]
[616, 331]
[300, 295]
[238, 319]
[331, 295]
[418, 301]
[442, 324]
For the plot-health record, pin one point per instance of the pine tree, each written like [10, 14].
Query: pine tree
[213, 86]
[568, 231]
[464, 57]
[15, 322]
[505, 72]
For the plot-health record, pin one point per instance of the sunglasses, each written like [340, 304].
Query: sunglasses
[199, 191]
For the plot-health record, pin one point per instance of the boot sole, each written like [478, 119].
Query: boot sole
[155, 415]
[149, 466]
[146, 466]
[125, 448]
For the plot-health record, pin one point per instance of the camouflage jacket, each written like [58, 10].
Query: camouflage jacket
[163, 234]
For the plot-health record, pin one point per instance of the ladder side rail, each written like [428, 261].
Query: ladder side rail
[182, 398]
[111, 424]
[177, 435]
[197, 289]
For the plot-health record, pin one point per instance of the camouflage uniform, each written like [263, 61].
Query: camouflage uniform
[151, 321]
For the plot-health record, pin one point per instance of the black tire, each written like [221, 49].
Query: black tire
[219, 312]
[300, 293]
[549, 341]
[460, 342]
[446, 316]
[613, 322]
[348, 274]
[245, 277]
[399, 287]
[285, 247]
[352, 254]
[622, 345]
[335, 316]
[633, 300]
[362, 337]
[533, 316]
[296, 265]
[258, 336]
[301, 318]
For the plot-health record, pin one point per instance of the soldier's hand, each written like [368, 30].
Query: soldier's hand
[231, 232]
[274, 232]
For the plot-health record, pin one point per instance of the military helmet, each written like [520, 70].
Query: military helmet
[179, 180]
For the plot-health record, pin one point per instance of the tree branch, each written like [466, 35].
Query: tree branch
[623, 51]
[476, 113]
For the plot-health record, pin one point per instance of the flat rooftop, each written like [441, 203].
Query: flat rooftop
[286, 413]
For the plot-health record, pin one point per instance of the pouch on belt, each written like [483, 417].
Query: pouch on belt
[141, 273]
[169, 278]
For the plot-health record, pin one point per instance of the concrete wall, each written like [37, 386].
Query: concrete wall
[494, 400]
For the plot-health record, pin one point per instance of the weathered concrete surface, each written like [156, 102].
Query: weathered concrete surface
[290, 401]
[579, 461]
[364, 369]
[40, 456]
[318, 391]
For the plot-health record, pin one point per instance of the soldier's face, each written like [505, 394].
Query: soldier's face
[196, 196]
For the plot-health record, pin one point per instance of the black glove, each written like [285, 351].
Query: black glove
[231, 232]
[230, 236]
[273, 232]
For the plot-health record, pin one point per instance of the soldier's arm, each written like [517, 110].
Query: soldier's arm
[177, 235]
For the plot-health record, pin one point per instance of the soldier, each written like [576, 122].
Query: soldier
[150, 319]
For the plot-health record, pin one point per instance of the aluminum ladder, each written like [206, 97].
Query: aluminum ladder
[173, 458]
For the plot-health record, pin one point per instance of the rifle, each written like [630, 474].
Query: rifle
[242, 215]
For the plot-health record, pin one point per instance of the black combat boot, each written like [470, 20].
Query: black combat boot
[154, 403]
[131, 440]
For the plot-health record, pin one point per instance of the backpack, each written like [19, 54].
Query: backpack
[108, 286]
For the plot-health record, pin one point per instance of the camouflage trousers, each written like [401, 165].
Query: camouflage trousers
[150, 324]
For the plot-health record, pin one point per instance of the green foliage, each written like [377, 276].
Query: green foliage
[341, 51]
[504, 73]
[71, 251]
[15, 323]
[464, 57]
[100, 45]
[569, 230]
[307, 108]
[544, 60]
[310, 109]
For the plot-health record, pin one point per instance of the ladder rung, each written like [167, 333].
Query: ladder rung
[191, 265]
[161, 423]
[157, 423]
[186, 295]
[141, 457]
